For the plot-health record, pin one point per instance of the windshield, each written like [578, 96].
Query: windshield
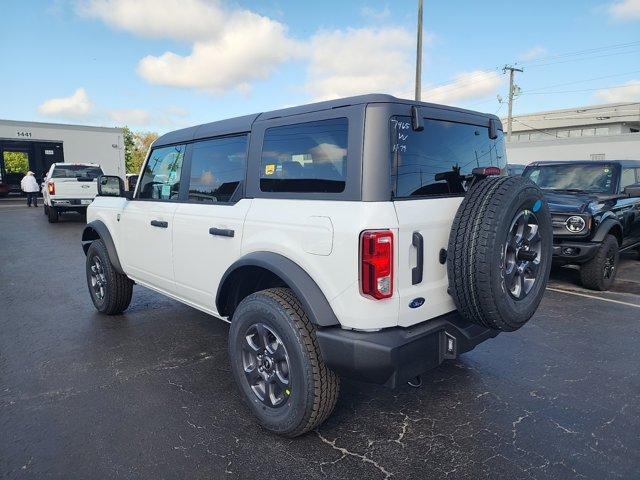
[598, 178]
[76, 171]
[437, 160]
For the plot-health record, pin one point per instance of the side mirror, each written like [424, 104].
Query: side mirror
[632, 190]
[110, 186]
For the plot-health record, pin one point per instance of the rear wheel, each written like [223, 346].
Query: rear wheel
[53, 214]
[499, 253]
[110, 291]
[600, 272]
[277, 365]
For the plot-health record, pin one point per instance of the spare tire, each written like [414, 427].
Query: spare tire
[499, 253]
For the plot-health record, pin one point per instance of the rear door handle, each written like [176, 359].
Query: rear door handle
[221, 232]
[159, 223]
[416, 272]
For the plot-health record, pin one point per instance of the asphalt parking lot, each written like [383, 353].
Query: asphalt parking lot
[150, 395]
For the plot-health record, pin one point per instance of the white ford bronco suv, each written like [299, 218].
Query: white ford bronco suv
[69, 187]
[368, 237]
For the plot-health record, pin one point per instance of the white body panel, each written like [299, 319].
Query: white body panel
[201, 259]
[298, 230]
[432, 218]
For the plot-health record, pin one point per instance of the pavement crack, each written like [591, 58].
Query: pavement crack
[345, 453]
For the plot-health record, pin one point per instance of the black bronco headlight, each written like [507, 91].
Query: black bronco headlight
[575, 224]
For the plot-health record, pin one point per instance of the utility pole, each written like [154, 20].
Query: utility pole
[512, 88]
[419, 54]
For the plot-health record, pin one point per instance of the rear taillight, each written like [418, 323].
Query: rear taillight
[52, 188]
[376, 264]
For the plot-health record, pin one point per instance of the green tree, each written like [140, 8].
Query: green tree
[136, 146]
[16, 162]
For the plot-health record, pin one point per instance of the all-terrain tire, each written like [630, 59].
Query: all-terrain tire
[118, 288]
[477, 252]
[592, 273]
[53, 215]
[313, 388]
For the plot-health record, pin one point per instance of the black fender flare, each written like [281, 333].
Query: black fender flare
[306, 289]
[605, 227]
[98, 230]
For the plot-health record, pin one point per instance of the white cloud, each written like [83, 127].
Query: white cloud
[465, 86]
[533, 53]
[176, 19]
[625, 10]
[229, 47]
[630, 92]
[248, 47]
[75, 106]
[356, 61]
[138, 117]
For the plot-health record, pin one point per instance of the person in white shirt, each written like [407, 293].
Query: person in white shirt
[29, 185]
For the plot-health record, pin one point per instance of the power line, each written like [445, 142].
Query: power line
[583, 90]
[581, 81]
[581, 52]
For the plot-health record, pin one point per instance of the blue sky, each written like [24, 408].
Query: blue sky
[163, 64]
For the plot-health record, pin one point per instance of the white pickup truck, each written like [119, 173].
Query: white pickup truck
[69, 187]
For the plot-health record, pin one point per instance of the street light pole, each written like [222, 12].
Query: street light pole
[419, 54]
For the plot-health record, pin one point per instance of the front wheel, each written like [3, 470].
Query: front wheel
[277, 364]
[600, 272]
[110, 291]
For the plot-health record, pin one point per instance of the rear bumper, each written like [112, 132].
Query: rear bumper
[574, 252]
[71, 202]
[393, 356]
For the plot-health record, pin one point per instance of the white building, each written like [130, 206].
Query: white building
[41, 144]
[600, 132]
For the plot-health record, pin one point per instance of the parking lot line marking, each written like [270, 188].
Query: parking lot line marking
[593, 296]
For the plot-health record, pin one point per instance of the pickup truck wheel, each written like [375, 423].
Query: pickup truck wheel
[277, 365]
[499, 252]
[110, 291]
[52, 215]
[600, 272]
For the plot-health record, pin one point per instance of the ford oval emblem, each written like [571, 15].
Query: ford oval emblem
[416, 302]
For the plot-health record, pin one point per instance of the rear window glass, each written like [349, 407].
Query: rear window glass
[76, 171]
[306, 157]
[437, 160]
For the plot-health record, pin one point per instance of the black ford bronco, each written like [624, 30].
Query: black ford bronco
[595, 207]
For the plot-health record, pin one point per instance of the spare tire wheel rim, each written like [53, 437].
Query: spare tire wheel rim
[265, 362]
[522, 255]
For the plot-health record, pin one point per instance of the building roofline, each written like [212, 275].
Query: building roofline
[580, 109]
[61, 126]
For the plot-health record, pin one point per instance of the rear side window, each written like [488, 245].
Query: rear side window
[217, 168]
[161, 177]
[305, 157]
[75, 171]
[435, 161]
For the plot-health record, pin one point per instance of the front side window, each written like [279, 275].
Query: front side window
[305, 157]
[437, 160]
[576, 178]
[161, 177]
[217, 168]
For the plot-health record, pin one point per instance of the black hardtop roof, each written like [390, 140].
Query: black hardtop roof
[244, 123]
[622, 163]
